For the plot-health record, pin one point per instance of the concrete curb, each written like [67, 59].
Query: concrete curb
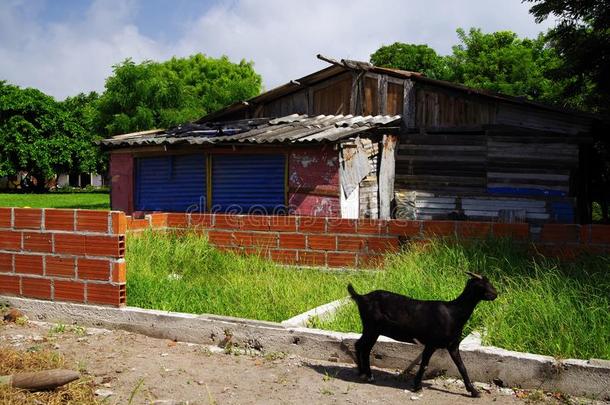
[575, 377]
[323, 312]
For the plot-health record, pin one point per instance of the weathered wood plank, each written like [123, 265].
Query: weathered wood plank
[387, 174]
[421, 204]
[530, 153]
[441, 158]
[565, 188]
[456, 148]
[527, 139]
[383, 94]
[502, 203]
[440, 179]
[408, 109]
[436, 139]
[529, 175]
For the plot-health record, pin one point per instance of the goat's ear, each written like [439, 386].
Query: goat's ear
[474, 275]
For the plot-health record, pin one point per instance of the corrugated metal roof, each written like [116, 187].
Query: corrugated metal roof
[292, 128]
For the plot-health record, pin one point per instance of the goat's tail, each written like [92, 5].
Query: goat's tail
[353, 292]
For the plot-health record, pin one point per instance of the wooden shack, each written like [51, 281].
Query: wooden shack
[461, 153]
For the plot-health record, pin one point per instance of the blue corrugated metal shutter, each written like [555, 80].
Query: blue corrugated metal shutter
[171, 183]
[248, 183]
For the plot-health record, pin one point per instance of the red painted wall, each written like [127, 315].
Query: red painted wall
[121, 182]
[313, 178]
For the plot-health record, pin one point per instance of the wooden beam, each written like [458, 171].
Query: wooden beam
[408, 107]
[383, 94]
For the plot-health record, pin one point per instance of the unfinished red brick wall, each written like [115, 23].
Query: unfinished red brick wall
[337, 242]
[63, 255]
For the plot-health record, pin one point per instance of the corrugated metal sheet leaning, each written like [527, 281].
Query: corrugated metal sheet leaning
[291, 128]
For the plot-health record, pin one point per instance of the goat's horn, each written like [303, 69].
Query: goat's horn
[474, 275]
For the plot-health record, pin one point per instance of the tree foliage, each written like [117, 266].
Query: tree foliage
[502, 62]
[45, 137]
[412, 57]
[498, 61]
[160, 95]
[582, 39]
[42, 136]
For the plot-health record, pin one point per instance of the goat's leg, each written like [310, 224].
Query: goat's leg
[425, 359]
[454, 351]
[358, 347]
[364, 345]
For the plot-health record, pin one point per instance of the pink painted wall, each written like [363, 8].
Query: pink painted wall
[313, 179]
[121, 182]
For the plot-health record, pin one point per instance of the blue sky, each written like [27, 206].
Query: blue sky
[65, 47]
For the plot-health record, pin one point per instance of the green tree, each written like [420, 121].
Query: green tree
[502, 62]
[83, 110]
[160, 95]
[498, 61]
[582, 39]
[41, 136]
[414, 58]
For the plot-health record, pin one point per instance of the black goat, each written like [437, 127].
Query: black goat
[436, 324]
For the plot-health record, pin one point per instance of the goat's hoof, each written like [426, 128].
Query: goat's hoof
[416, 388]
[475, 394]
[368, 378]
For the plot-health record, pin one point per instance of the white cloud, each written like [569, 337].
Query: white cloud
[282, 37]
[63, 60]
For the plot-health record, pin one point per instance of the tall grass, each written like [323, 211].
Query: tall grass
[544, 306]
[182, 272]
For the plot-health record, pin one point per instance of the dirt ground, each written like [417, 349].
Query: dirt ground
[128, 366]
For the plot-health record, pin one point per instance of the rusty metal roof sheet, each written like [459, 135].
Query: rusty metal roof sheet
[292, 129]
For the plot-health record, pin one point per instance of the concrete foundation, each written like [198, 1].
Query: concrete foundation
[575, 377]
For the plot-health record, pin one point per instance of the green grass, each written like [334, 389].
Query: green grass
[184, 273]
[544, 306]
[92, 201]
[596, 212]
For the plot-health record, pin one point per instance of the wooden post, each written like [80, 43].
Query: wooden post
[40, 380]
[387, 175]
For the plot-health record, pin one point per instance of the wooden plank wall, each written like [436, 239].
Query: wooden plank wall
[442, 162]
[506, 174]
[371, 96]
[531, 162]
[394, 104]
[333, 99]
[295, 103]
[438, 108]
[553, 121]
